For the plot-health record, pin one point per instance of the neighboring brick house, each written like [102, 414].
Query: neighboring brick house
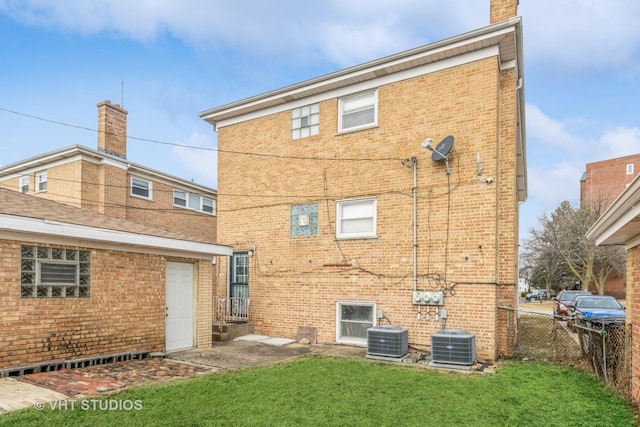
[104, 181]
[76, 284]
[317, 194]
[620, 225]
[600, 185]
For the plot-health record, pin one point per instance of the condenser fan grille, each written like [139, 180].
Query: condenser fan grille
[388, 341]
[452, 346]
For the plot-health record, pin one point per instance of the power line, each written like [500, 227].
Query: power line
[194, 147]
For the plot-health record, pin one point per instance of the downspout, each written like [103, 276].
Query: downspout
[414, 164]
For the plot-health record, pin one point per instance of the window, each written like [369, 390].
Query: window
[358, 111]
[24, 184]
[141, 188]
[41, 181]
[194, 202]
[208, 205]
[50, 272]
[304, 220]
[356, 219]
[305, 121]
[179, 198]
[352, 321]
[630, 169]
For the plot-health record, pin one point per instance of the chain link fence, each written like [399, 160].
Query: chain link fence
[604, 350]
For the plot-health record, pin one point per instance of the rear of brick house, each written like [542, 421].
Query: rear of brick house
[317, 196]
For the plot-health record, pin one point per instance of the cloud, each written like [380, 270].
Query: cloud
[200, 165]
[344, 32]
[620, 142]
[550, 132]
[590, 33]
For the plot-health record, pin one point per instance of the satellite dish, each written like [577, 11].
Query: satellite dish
[442, 150]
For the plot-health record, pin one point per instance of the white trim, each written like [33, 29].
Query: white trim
[78, 152]
[339, 317]
[85, 236]
[21, 184]
[36, 187]
[341, 101]
[365, 235]
[149, 187]
[373, 83]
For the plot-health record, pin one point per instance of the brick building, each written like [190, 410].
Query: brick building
[340, 218]
[600, 186]
[605, 180]
[620, 225]
[77, 284]
[105, 181]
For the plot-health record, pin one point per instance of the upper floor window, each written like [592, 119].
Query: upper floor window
[630, 169]
[305, 121]
[52, 272]
[358, 111]
[41, 181]
[356, 218]
[141, 188]
[24, 184]
[194, 201]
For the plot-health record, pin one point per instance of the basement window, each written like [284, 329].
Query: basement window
[352, 321]
[52, 272]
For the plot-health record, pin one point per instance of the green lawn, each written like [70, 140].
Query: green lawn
[323, 391]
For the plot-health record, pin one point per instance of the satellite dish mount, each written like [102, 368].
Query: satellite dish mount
[441, 151]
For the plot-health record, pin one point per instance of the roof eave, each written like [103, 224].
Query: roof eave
[347, 76]
[127, 241]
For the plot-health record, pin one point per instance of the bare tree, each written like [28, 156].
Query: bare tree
[562, 234]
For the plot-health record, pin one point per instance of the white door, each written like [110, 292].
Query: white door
[179, 306]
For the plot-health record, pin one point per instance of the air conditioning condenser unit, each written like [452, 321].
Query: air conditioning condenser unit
[387, 341]
[453, 347]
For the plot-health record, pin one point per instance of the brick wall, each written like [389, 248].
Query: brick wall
[161, 213]
[126, 310]
[604, 181]
[633, 317]
[501, 10]
[467, 229]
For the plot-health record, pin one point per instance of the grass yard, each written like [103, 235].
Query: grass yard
[323, 391]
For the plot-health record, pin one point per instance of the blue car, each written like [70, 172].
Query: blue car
[597, 311]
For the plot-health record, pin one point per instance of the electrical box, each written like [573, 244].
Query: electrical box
[428, 298]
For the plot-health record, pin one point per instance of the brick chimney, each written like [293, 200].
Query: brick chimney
[501, 10]
[112, 129]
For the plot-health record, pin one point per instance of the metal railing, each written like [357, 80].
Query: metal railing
[232, 309]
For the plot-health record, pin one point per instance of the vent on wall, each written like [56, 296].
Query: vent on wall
[387, 341]
[451, 346]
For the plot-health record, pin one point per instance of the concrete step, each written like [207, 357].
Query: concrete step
[229, 331]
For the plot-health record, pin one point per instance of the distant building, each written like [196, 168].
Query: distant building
[605, 180]
[105, 181]
[600, 185]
